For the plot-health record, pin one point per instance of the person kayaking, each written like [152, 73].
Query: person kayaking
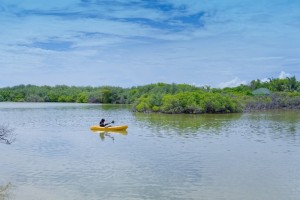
[103, 124]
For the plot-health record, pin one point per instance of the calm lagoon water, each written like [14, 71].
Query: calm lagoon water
[252, 156]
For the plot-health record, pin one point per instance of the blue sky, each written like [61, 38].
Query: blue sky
[136, 42]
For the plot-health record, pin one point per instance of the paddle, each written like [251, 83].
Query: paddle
[112, 122]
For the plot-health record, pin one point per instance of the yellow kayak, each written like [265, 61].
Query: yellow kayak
[110, 128]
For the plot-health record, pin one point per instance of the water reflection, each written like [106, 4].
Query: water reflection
[109, 134]
[114, 107]
[277, 124]
[163, 157]
[186, 124]
[272, 125]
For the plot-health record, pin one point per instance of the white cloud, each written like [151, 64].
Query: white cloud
[265, 80]
[135, 38]
[233, 83]
[284, 75]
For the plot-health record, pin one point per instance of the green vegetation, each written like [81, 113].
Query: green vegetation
[62, 93]
[170, 98]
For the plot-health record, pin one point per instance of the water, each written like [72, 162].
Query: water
[237, 156]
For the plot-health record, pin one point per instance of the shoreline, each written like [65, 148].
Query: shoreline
[251, 110]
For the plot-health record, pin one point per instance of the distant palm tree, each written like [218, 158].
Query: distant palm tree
[292, 84]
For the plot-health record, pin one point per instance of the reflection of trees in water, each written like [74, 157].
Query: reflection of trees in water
[114, 107]
[4, 191]
[187, 124]
[278, 123]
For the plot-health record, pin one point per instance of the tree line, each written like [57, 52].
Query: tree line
[169, 98]
[63, 93]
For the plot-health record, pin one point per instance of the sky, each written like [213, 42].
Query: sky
[219, 43]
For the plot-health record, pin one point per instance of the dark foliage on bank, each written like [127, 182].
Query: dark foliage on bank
[63, 93]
